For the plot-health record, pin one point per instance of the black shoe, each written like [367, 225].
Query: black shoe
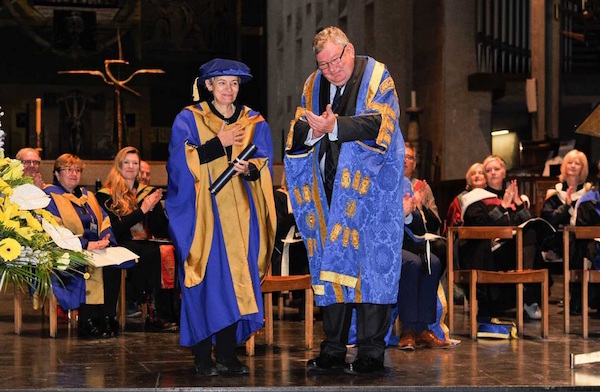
[325, 363]
[364, 365]
[111, 327]
[206, 368]
[232, 366]
[89, 330]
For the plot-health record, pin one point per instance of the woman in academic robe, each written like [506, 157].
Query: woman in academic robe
[78, 210]
[496, 205]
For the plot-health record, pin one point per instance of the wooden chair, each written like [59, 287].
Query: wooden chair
[473, 277]
[272, 284]
[122, 302]
[50, 307]
[583, 276]
[167, 256]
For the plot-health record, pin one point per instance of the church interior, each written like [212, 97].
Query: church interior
[515, 78]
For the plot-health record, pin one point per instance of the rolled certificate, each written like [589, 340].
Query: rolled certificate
[230, 171]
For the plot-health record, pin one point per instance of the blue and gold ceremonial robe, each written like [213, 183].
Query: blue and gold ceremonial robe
[355, 244]
[223, 242]
[84, 217]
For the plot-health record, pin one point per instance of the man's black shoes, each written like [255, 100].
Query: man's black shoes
[325, 363]
[364, 365]
[232, 366]
[206, 368]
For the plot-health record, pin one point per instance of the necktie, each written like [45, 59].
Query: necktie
[330, 166]
[335, 104]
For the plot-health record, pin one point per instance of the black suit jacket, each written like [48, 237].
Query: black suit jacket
[350, 127]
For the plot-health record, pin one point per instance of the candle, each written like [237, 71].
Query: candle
[38, 120]
[413, 99]
[38, 115]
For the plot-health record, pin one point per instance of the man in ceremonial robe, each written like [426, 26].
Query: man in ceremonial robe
[344, 164]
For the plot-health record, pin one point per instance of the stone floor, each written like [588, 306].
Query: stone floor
[137, 360]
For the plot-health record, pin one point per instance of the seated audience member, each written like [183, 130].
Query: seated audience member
[475, 179]
[587, 213]
[78, 210]
[496, 206]
[428, 210]
[30, 158]
[289, 256]
[136, 213]
[169, 289]
[145, 173]
[419, 280]
[559, 207]
[425, 201]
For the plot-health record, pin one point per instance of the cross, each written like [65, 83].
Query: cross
[118, 84]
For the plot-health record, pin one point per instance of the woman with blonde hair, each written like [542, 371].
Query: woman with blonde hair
[497, 205]
[475, 179]
[560, 209]
[560, 201]
[136, 215]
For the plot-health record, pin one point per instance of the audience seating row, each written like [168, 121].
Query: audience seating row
[519, 276]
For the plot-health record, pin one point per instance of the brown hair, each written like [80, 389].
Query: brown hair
[68, 160]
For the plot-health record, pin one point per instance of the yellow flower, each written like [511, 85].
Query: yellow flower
[11, 224]
[10, 249]
[15, 172]
[5, 188]
[32, 221]
[48, 216]
[25, 232]
[8, 210]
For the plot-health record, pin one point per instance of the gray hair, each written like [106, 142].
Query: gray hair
[331, 33]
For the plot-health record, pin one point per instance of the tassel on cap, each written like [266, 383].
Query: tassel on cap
[195, 92]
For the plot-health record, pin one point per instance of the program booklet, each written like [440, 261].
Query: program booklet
[113, 255]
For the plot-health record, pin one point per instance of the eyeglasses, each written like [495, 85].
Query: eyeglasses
[409, 157]
[31, 162]
[332, 63]
[71, 170]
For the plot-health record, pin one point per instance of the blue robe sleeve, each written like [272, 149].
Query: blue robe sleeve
[180, 187]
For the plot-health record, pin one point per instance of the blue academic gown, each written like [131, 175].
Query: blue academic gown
[70, 290]
[223, 242]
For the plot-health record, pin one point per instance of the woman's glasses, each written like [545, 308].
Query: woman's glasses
[71, 170]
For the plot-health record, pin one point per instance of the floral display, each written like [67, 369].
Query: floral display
[33, 247]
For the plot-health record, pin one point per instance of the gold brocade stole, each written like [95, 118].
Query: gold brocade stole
[234, 210]
[94, 287]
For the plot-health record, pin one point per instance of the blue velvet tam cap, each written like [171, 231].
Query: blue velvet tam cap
[224, 67]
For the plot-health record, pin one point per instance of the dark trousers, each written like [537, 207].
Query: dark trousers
[417, 294]
[372, 323]
[145, 275]
[224, 345]
[111, 277]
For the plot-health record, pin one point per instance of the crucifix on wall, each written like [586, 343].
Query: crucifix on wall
[118, 84]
